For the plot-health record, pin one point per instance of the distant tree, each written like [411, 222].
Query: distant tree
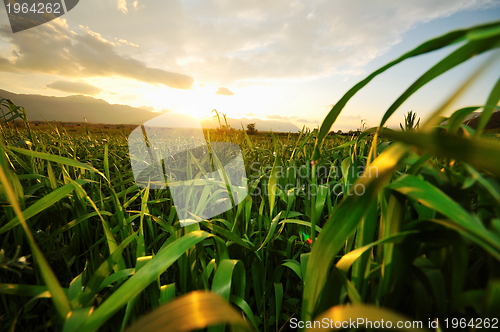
[251, 130]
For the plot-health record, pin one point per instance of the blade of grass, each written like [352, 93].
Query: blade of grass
[462, 54]
[243, 305]
[25, 290]
[278, 300]
[167, 293]
[223, 279]
[42, 204]
[467, 224]
[458, 117]
[428, 46]
[145, 276]
[194, 311]
[345, 263]
[342, 224]
[94, 284]
[59, 297]
[481, 153]
[491, 103]
[56, 159]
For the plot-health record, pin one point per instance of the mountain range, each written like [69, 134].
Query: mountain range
[493, 122]
[78, 108]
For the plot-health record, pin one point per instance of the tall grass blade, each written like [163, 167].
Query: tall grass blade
[342, 224]
[59, 297]
[145, 276]
[491, 103]
[193, 311]
[428, 46]
[42, 204]
[478, 152]
[56, 159]
[467, 224]
[457, 57]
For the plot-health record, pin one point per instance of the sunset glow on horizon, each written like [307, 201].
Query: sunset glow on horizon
[275, 60]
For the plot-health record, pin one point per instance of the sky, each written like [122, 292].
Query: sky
[267, 59]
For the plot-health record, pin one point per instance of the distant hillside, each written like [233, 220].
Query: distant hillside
[76, 108]
[493, 123]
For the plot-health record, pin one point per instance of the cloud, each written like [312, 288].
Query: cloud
[344, 117]
[223, 42]
[349, 117]
[250, 83]
[54, 49]
[224, 91]
[277, 117]
[307, 121]
[122, 41]
[280, 117]
[5, 65]
[74, 87]
[229, 41]
[122, 5]
[290, 119]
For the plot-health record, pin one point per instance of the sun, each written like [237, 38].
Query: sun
[200, 101]
[195, 110]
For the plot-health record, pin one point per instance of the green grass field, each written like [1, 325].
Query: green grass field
[383, 225]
